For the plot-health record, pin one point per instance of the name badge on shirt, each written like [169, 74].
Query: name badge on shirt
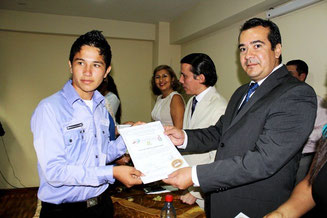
[105, 122]
[74, 126]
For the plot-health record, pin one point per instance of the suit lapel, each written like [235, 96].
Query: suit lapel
[188, 110]
[270, 83]
[205, 102]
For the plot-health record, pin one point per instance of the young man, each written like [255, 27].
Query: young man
[71, 139]
[198, 77]
[260, 136]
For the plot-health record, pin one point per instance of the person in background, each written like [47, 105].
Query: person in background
[72, 139]
[198, 77]
[169, 106]
[299, 69]
[258, 139]
[109, 90]
[311, 192]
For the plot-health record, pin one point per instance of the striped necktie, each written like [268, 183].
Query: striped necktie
[252, 89]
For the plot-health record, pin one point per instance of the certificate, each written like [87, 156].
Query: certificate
[151, 151]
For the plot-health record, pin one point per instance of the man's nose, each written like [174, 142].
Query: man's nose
[249, 53]
[181, 79]
[88, 70]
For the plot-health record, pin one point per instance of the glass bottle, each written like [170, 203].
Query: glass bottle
[168, 210]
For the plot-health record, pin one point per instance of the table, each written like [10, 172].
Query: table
[133, 202]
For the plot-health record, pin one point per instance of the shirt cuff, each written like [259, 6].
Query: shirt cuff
[195, 177]
[183, 146]
[105, 174]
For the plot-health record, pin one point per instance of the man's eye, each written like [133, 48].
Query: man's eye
[257, 45]
[242, 49]
[80, 62]
[157, 77]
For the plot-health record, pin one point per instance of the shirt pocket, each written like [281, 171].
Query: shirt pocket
[73, 137]
[75, 146]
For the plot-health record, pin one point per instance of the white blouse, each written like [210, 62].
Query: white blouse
[161, 110]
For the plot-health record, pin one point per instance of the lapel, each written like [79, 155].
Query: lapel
[187, 114]
[269, 84]
[204, 103]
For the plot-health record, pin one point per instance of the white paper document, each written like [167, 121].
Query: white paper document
[241, 215]
[152, 151]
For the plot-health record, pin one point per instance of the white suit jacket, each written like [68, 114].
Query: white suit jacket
[207, 112]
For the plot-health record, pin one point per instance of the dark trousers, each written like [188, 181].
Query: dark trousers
[104, 208]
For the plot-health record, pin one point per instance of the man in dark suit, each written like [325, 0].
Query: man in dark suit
[260, 137]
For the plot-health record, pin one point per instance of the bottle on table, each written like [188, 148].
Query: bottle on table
[168, 210]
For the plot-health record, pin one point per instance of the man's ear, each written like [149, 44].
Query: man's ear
[70, 67]
[302, 77]
[201, 78]
[278, 50]
[107, 72]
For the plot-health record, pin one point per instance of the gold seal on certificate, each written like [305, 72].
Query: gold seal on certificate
[177, 163]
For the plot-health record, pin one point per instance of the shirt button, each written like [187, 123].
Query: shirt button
[222, 145]
[96, 156]
[103, 132]
[70, 140]
[95, 135]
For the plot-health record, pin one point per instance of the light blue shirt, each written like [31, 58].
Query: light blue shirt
[72, 146]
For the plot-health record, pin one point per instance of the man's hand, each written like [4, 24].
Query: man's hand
[138, 123]
[176, 135]
[129, 123]
[123, 160]
[127, 175]
[181, 178]
[188, 198]
[274, 214]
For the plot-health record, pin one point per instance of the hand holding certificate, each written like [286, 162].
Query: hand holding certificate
[152, 151]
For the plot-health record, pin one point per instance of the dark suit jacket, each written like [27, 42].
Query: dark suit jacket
[258, 148]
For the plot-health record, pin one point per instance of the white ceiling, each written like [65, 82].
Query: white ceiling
[144, 11]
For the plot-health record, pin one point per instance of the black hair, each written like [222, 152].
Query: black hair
[319, 159]
[301, 67]
[95, 39]
[274, 36]
[108, 85]
[176, 86]
[202, 64]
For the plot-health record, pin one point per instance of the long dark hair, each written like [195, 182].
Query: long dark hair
[108, 85]
[320, 157]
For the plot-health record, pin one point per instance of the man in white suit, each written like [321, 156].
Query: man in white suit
[198, 77]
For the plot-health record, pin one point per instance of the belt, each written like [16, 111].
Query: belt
[308, 154]
[77, 205]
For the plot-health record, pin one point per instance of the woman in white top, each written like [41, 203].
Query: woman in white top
[170, 106]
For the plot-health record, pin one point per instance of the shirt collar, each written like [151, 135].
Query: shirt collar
[72, 96]
[200, 96]
[261, 81]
